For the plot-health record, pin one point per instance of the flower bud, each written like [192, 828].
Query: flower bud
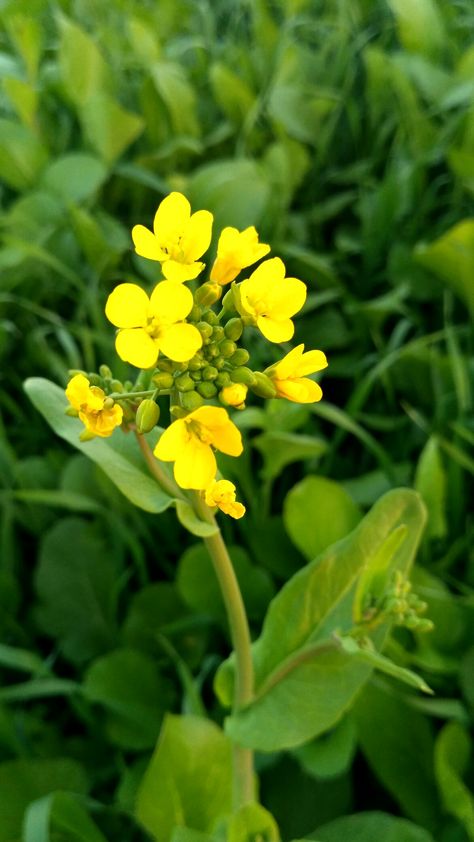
[219, 362]
[233, 395]
[209, 372]
[147, 416]
[205, 330]
[207, 294]
[195, 314]
[196, 363]
[116, 386]
[223, 379]
[163, 380]
[191, 400]
[210, 317]
[233, 329]
[105, 371]
[207, 389]
[243, 375]
[227, 347]
[217, 333]
[240, 357]
[263, 386]
[196, 375]
[184, 383]
[94, 379]
[108, 403]
[228, 302]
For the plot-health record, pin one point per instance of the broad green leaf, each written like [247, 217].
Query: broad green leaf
[61, 499]
[20, 659]
[252, 822]
[398, 744]
[430, 482]
[109, 127]
[383, 664]
[24, 98]
[281, 449]
[22, 155]
[74, 581]
[178, 95]
[134, 695]
[317, 513]
[303, 669]
[23, 781]
[59, 813]
[184, 834]
[189, 519]
[368, 827]
[330, 754]
[84, 71]
[25, 32]
[452, 754]
[451, 258]
[420, 25]
[231, 93]
[119, 456]
[236, 191]
[74, 177]
[151, 608]
[188, 782]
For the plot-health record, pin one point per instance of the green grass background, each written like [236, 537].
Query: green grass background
[344, 130]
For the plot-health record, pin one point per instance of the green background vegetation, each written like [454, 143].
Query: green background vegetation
[344, 130]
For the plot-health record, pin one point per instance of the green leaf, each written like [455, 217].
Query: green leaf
[119, 456]
[109, 127]
[385, 665]
[236, 191]
[178, 96]
[451, 258]
[452, 753]
[134, 694]
[23, 781]
[252, 822]
[280, 449]
[20, 659]
[74, 177]
[398, 744]
[420, 25]
[38, 688]
[75, 578]
[303, 669]
[84, 71]
[317, 513]
[430, 482]
[231, 93]
[188, 782]
[368, 827]
[189, 519]
[24, 98]
[62, 499]
[150, 609]
[59, 813]
[22, 155]
[330, 754]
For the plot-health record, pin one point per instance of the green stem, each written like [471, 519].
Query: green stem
[155, 468]
[241, 641]
[121, 396]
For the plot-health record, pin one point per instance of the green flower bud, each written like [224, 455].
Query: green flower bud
[195, 314]
[240, 357]
[208, 294]
[227, 348]
[243, 375]
[206, 389]
[196, 363]
[108, 403]
[105, 371]
[228, 302]
[116, 386]
[263, 386]
[209, 372]
[73, 413]
[210, 317]
[74, 371]
[223, 379]
[184, 383]
[205, 330]
[192, 400]
[147, 416]
[128, 386]
[86, 435]
[163, 380]
[219, 362]
[212, 350]
[166, 365]
[217, 333]
[196, 375]
[425, 625]
[94, 379]
[178, 412]
[233, 329]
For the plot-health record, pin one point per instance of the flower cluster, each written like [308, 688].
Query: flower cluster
[187, 346]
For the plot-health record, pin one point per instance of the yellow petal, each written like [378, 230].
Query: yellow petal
[170, 302]
[263, 279]
[180, 342]
[287, 298]
[226, 436]
[195, 466]
[224, 270]
[310, 362]
[135, 346]
[299, 390]
[77, 391]
[95, 399]
[171, 217]
[172, 441]
[197, 235]
[127, 306]
[181, 272]
[287, 367]
[274, 331]
[146, 244]
[235, 510]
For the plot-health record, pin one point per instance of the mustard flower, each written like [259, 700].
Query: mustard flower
[221, 493]
[178, 238]
[88, 401]
[288, 377]
[268, 300]
[188, 442]
[235, 251]
[234, 395]
[149, 326]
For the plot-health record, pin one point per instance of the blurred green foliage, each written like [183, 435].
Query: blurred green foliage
[344, 130]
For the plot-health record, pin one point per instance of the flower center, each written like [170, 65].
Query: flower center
[199, 431]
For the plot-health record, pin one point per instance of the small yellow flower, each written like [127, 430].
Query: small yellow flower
[268, 300]
[188, 442]
[288, 375]
[153, 325]
[89, 401]
[178, 238]
[221, 493]
[234, 395]
[235, 251]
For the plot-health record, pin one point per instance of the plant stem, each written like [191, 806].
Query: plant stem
[241, 641]
[155, 468]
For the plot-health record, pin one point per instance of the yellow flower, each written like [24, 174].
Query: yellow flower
[89, 401]
[153, 325]
[234, 395]
[268, 300]
[177, 240]
[288, 375]
[188, 442]
[235, 251]
[221, 493]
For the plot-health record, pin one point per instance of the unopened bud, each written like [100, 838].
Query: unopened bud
[263, 386]
[196, 363]
[192, 400]
[116, 385]
[240, 357]
[86, 435]
[205, 330]
[163, 380]
[233, 329]
[184, 383]
[210, 317]
[108, 403]
[233, 395]
[147, 416]
[105, 371]
[94, 379]
[243, 375]
[195, 314]
[223, 379]
[227, 347]
[209, 372]
[217, 333]
[73, 413]
[207, 294]
[206, 389]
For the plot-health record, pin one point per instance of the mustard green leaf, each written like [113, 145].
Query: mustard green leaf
[22, 155]
[109, 127]
[451, 258]
[84, 71]
[61, 813]
[368, 827]
[430, 482]
[452, 753]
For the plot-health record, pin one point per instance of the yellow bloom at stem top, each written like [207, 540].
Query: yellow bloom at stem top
[221, 493]
[268, 300]
[189, 443]
[149, 326]
[178, 238]
[235, 251]
[288, 375]
[89, 402]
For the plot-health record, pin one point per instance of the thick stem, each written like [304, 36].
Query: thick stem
[155, 468]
